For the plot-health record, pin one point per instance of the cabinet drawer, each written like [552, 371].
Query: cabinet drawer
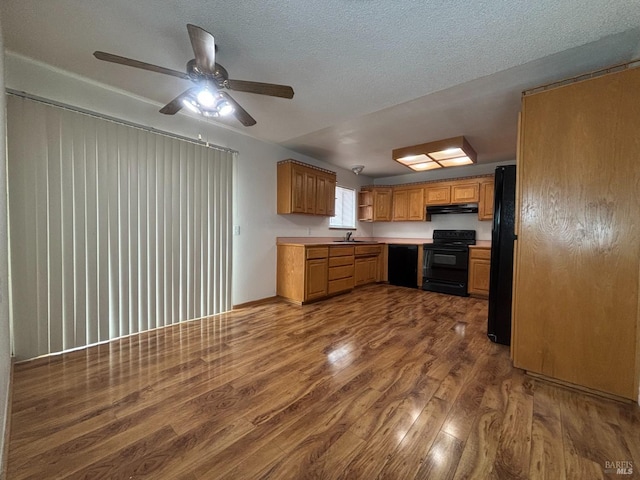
[340, 251]
[366, 250]
[339, 261]
[317, 252]
[480, 253]
[340, 285]
[340, 272]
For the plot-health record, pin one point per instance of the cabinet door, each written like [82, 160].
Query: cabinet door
[316, 278]
[298, 189]
[437, 195]
[479, 269]
[310, 192]
[400, 205]
[465, 193]
[330, 197]
[415, 210]
[382, 205]
[321, 195]
[361, 271]
[576, 313]
[372, 269]
[485, 206]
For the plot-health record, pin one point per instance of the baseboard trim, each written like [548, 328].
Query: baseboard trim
[579, 388]
[255, 303]
[7, 426]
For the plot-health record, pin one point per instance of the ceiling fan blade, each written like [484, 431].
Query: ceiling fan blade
[175, 105]
[272, 89]
[240, 113]
[204, 48]
[109, 57]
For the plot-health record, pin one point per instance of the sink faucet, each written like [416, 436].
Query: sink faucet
[347, 236]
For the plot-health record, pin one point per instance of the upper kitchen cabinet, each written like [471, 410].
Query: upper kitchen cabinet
[305, 189]
[576, 285]
[485, 204]
[374, 204]
[465, 192]
[408, 204]
[437, 194]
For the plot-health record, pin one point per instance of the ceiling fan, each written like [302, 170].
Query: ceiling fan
[208, 97]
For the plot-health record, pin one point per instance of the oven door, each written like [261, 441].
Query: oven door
[445, 268]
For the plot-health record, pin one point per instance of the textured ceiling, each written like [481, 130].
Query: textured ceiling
[368, 75]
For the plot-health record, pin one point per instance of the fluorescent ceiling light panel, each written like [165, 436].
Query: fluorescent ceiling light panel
[451, 152]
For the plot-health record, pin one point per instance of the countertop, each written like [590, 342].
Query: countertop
[313, 241]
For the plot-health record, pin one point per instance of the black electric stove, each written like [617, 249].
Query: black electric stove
[446, 261]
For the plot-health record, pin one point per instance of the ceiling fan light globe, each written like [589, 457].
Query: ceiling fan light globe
[191, 105]
[225, 108]
[206, 98]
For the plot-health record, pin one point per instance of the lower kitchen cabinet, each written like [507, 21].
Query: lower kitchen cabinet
[479, 271]
[367, 264]
[340, 269]
[316, 278]
[306, 273]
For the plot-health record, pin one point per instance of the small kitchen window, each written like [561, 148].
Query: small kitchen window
[345, 216]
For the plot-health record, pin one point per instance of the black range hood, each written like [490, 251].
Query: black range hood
[459, 208]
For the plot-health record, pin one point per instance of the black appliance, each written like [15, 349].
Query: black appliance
[446, 261]
[502, 243]
[403, 265]
[459, 208]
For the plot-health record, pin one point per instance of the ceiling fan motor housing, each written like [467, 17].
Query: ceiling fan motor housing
[218, 76]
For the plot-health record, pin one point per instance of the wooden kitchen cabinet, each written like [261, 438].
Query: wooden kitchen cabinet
[367, 264]
[316, 277]
[341, 268]
[577, 284]
[408, 204]
[365, 206]
[465, 192]
[437, 194]
[307, 273]
[382, 199]
[485, 205]
[479, 271]
[325, 195]
[305, 189]
[374, 204]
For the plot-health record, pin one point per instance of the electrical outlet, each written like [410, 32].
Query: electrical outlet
[309, 231]
[236, 229]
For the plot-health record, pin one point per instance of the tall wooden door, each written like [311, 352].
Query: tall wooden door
[576, 313]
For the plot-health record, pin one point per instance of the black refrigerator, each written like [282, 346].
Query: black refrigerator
[502, 243]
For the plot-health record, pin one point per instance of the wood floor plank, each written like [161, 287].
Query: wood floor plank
[442, 459]
[513, 455]
[384, 382]
[412, 451]
[547, 451]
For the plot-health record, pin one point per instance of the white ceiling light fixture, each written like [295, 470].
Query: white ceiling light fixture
[451, 152]
[208, 102]
[357, 169]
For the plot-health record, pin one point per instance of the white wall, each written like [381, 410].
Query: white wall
[5, 347]
[462, 221]
[254, 252]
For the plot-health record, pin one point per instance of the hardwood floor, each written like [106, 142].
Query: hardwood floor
[385, 382]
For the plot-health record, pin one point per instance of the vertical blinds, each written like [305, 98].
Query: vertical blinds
[114, 229]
